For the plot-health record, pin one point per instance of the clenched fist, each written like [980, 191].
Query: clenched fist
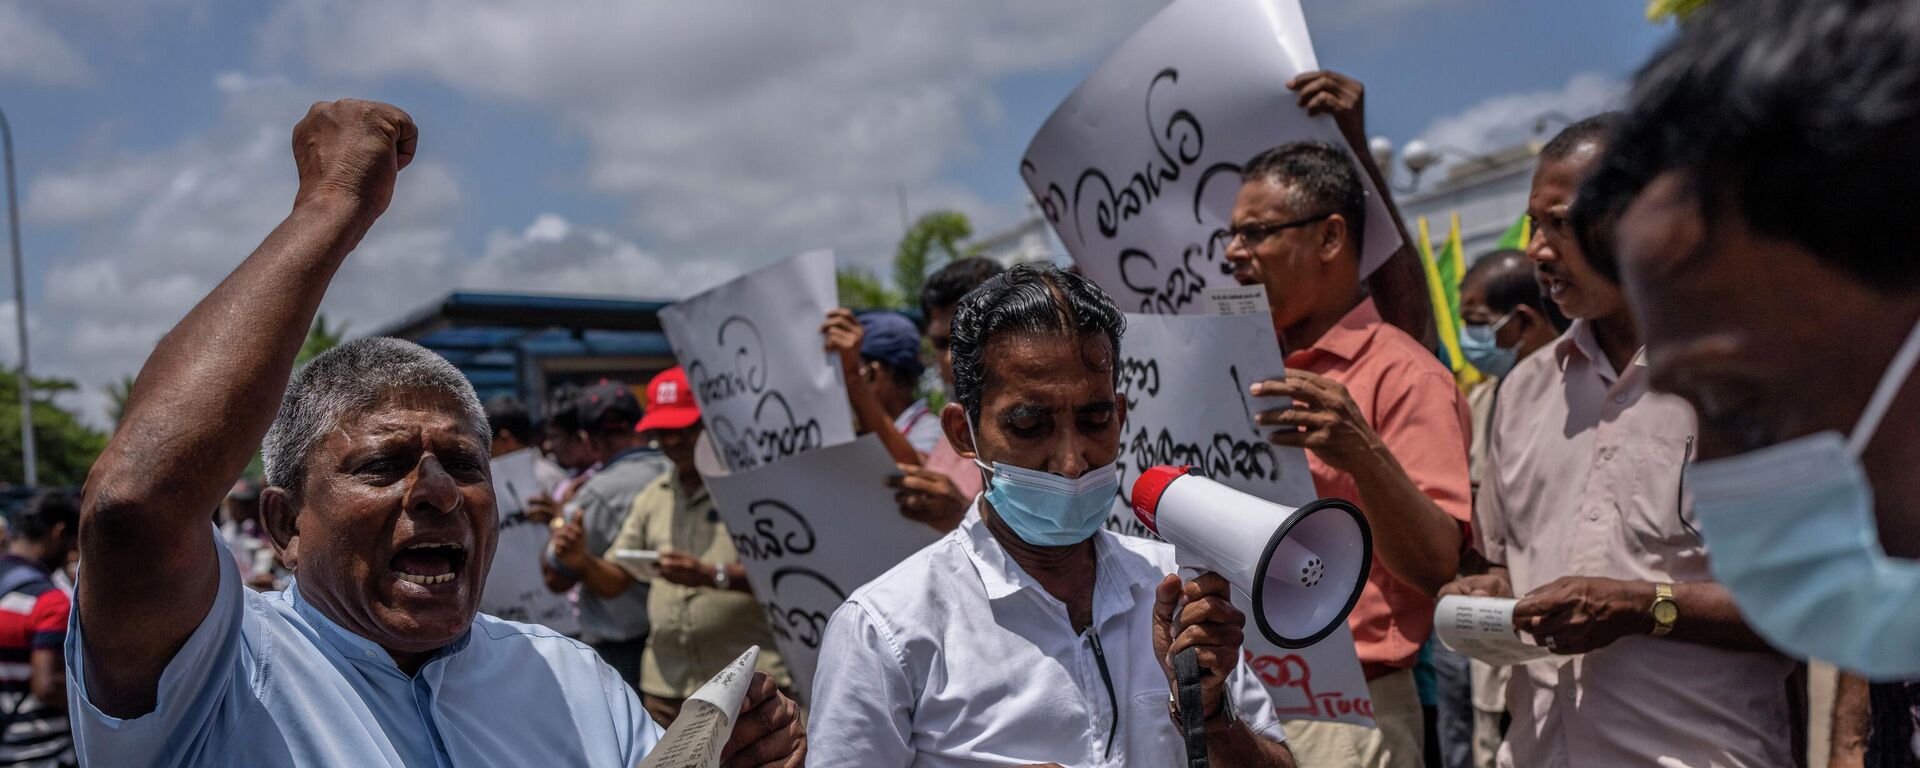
[348, 153]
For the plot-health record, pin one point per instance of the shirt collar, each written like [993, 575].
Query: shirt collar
[1579, 340]
[354, 647]
[1349, 337]
[34, 564]
[1120, 572]
[680, 490]
[628, 453]
[998, 573]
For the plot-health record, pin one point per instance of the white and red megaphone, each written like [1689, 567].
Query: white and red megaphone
[1303, 568]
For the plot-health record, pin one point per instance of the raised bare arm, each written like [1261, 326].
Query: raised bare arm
[205, 399]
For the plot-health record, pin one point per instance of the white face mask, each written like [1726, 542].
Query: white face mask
[1790, 531]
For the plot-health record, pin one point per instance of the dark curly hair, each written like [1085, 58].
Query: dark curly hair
[1029, 298]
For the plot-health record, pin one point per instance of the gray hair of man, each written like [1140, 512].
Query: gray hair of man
[351, 377]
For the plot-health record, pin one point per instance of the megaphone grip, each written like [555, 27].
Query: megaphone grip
[1192, 706]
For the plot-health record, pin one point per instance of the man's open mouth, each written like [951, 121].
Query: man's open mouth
[429, 564]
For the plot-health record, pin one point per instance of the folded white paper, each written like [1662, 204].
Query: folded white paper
[1482, 628]
[706, 719]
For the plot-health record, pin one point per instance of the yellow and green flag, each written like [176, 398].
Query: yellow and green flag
[1444, 272]
[1445, 269]
[1518, 235]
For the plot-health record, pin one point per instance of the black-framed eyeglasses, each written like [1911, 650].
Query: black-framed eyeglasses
[1257, 233]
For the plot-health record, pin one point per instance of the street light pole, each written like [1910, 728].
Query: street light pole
[20, 311]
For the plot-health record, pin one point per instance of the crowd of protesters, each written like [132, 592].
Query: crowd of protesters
[1688, 462]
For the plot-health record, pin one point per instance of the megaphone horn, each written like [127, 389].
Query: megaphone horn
[1304, 568]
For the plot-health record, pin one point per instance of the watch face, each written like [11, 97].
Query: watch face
[1665, 612]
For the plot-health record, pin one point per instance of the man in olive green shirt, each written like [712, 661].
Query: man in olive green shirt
[702, 611]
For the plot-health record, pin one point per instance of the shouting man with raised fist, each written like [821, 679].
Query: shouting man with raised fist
[379, 498]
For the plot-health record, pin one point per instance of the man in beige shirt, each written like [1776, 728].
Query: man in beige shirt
[1582, 513]
[702, 611]
[1501, 303]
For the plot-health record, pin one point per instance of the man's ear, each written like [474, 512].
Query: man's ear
[281, 516]
[1334, 235]
[953, 420]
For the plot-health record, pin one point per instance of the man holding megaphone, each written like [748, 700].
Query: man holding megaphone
[1030, 635]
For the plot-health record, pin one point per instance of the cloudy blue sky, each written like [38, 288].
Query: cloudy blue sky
[628, 148]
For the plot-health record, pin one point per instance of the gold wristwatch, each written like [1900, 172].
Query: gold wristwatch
[1665, 611]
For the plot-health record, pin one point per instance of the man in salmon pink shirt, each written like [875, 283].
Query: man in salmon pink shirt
[1381, 419]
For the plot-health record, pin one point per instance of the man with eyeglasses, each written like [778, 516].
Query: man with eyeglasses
[1382, 421]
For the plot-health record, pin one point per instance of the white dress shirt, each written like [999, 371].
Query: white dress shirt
[267, 681]
[957, 657]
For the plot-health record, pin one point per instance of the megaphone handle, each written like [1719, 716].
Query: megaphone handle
[1186, 677]
[1193, 722]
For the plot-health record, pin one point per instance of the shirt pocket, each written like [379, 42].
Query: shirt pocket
[1147, 732]
[1659, 513]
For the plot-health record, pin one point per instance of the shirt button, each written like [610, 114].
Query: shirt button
[1620, 398]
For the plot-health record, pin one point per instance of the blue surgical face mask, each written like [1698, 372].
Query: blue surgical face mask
[1790, 531]
[1048, 510]
[1478, 344]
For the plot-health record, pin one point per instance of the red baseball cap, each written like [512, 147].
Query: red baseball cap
[670, 402]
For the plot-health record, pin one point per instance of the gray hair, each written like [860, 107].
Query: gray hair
[351, 377]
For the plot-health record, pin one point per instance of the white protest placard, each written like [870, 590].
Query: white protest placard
[1138, 169]
[706, 719]
[1482, 628]
[515, 590]
[766, 385]
[810, 529]
[1186, 380]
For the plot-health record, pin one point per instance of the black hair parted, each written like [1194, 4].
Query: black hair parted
[1321, 179]
[563, 407]
[1594, 129]
[1802, 116]
[1032, 298]
[1511, 282]
[505, 413]
[35, 521]
[947, 285]
[1508, 280]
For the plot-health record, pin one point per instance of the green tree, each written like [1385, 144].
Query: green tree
[936, 238]
[1662, 10]
[861, 289]
[64, 446]
[320, 338]
[117, 394]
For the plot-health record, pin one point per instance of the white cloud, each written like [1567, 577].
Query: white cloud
[1503, 121]
[552, 255]
[161, 228]
[31, 50]
[737, 130]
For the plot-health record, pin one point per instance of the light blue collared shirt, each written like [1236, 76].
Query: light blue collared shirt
[266, 680]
